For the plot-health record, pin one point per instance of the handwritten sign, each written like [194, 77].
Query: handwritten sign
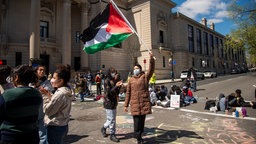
[175, 101]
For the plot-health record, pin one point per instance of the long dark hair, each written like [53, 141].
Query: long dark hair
[5, 71]
[26, 74]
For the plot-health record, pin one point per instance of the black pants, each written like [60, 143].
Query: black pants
[139, 123]
[98, 87]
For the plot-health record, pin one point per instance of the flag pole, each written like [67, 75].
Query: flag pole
[120, 12]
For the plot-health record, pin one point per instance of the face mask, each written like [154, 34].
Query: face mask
[113, 75]
[53, 81]
[136, 72]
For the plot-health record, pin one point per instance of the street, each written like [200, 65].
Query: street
[191, 124]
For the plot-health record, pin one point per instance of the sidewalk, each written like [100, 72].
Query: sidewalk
[162, 81]
[167, 81]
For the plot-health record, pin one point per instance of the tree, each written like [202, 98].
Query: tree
[245, 35]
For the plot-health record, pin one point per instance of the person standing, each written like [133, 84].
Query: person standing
[98, 83]
[152, 81]
[89, 78]
[113, 85]
[137, 96]
[43, 83]
[81, 85]
[102, 76]
[57, 106]
[19, 108]
[192, 78]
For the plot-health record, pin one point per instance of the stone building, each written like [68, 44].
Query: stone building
[49, 30]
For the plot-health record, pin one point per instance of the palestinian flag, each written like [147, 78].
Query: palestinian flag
[107, 29]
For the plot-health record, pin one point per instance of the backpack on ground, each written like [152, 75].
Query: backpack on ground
[209, 104]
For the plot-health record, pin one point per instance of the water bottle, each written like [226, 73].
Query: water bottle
[237, 114]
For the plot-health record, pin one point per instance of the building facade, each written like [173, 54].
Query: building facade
[48, 30]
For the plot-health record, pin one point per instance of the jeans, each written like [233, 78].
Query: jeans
[187, 99]
[56, 134]
[89, 84]
[111, 120]
[42, 131]
[102, 84]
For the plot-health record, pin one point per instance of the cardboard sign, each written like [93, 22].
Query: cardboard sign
[175, 101]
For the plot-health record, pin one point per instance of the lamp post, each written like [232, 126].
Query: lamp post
[171, 64]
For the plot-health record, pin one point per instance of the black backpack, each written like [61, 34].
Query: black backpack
[209, 104]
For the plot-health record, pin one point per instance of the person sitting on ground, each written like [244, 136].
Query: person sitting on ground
[187, 94]
[122, 92]
[186, 83]
[238, 100]
[176, 90]
[163, 92]
[153, 98]
[222, 102]
[157, 91]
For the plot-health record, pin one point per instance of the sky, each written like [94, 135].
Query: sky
[213, 10]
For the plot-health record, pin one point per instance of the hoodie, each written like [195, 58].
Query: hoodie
[57, 107]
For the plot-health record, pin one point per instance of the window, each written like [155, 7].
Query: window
[18, 58]
[221, 49]
[211, 45]
[198, 41]
[77, 37]
[217, 45]
[44, 29]
[207, 63]
[163, 61]
[193, 62]
[190, 38]
[205, 41]
[161, 36]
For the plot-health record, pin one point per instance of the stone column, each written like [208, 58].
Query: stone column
[66, 32]
[84, 25]
[34, 39]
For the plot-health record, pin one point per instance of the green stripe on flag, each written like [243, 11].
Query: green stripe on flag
[112, 41]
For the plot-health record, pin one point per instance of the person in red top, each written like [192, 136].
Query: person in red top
[187, 95]
[98, 83]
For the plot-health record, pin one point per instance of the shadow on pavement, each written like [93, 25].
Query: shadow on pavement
[157, 135]
[73, 138]
[125, 136]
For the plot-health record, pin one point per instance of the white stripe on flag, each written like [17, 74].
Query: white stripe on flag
[101, 36]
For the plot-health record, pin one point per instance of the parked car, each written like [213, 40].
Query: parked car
[210, 74]
[235, 70]
[184, 73]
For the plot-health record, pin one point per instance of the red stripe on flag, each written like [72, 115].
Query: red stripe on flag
[116, 24]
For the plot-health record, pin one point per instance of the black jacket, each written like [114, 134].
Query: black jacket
[190, 72]
[112, 91]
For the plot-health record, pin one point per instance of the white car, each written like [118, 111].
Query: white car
[184, 73]
[210, 74]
